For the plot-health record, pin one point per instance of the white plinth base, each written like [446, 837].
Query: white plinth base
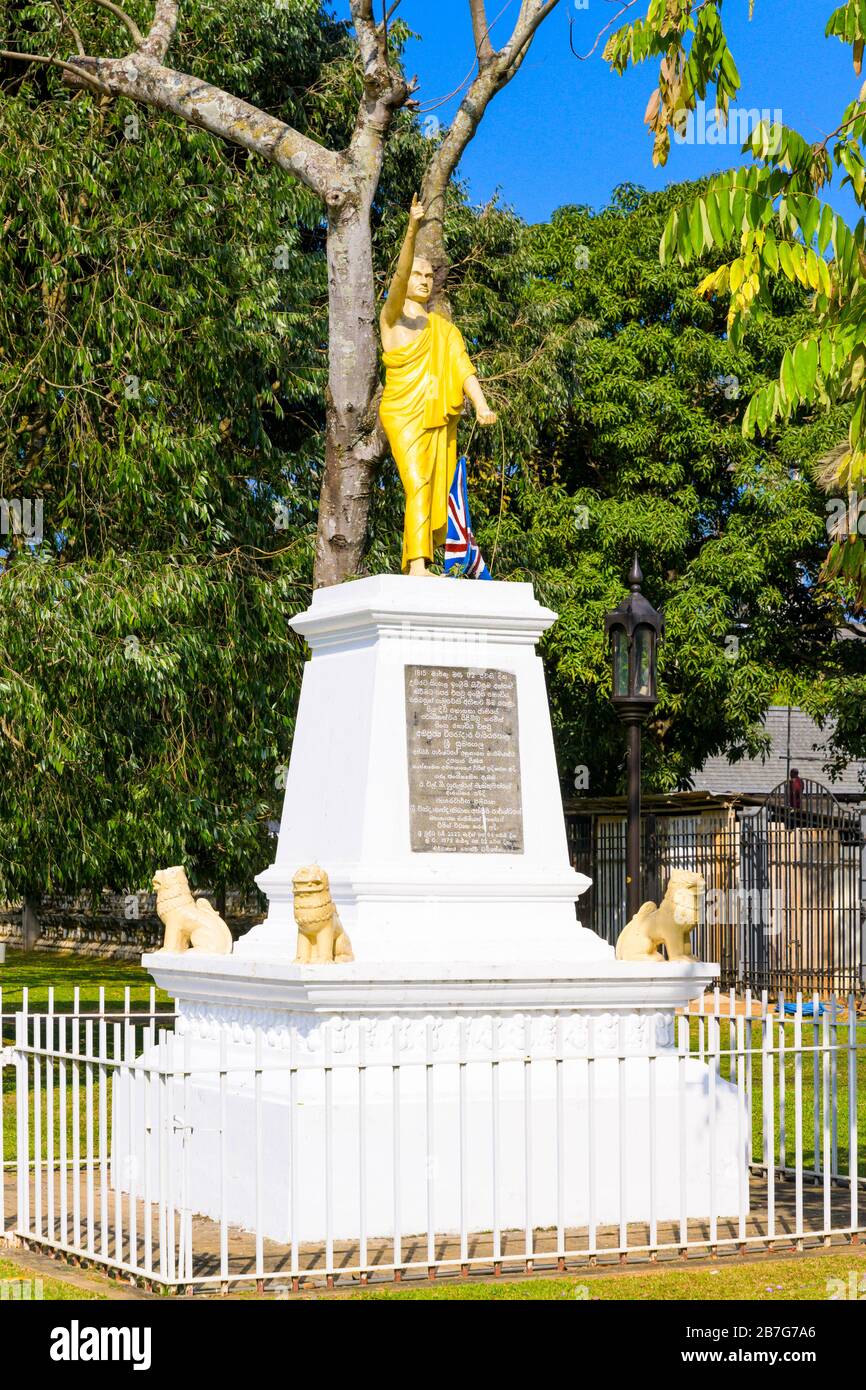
[348, 798]
[492, 1098]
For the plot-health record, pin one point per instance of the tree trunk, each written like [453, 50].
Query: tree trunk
[354, 439]
[31, 929]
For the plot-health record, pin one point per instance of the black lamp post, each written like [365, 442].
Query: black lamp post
[635, 630]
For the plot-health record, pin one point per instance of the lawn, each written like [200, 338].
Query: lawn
[52, 1289]
[41, 972]
[782, 1130]
[801, 1279]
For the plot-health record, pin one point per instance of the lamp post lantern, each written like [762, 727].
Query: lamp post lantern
[635, 630]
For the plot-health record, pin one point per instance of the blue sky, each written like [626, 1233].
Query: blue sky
[568, 132]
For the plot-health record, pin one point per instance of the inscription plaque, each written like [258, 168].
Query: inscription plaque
[464, 760]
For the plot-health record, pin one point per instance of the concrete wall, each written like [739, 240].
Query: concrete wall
[120, 925]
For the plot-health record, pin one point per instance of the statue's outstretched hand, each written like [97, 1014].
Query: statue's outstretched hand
[416, 212]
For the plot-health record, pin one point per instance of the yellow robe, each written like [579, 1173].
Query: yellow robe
[421, 403]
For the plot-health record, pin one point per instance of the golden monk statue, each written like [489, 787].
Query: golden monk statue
[427, 374]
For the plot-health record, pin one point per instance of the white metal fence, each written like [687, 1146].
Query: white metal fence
[82, 1089]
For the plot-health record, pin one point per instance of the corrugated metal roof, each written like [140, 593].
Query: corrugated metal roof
[808, 753]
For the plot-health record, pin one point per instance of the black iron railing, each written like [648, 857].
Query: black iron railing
[782, 909]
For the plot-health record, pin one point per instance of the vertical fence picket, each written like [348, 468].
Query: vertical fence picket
[88, 1134]
[22, 1121]
[63, 1127]
[49, 1119]
[395, 1139]
[259, 1176]
[798, 1120]
[37, 1123]
[782, 1082]
[622, 1143]
[853, 1157]
[816, 1083]
[185, 1273]
[714, 1062]
[529, 1243]
[748, 1069]
[75, 1043]
[430, 1133]
[768, 1110]
[103, 1127]
[152, 1150]
[834, 1085]
[683, 1041]
[827, 1122]
[117, 1081]
[222, 1081]
[461, 1143]
[744, 1139]
[560, 1141]
[494, 1136]
[163, 1187]
[652, 1064]
[592, 1230]
[362, 1148]
[130, 1091]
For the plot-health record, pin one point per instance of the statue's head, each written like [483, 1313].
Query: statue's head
[685, 890]
[420, 281]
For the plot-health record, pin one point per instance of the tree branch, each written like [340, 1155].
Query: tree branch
[481, 32]
[532, 14]
[137, 35]
[210, 108]
[66, 23]
[161, 30]
[489, 80]
[82, 75]
[385, 91]
[582, 57]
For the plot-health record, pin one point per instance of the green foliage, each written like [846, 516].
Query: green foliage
[772, 219]
[622, 399]
[163, 361]
[163, 343]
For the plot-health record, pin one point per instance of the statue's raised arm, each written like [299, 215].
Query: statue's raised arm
[427, 375]
[397, 290]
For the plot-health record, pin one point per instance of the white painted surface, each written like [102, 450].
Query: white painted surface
[346, 803]
[485, 1057]
[570, 1059]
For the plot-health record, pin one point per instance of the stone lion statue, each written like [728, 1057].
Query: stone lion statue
[191, 924]
[321, 939]
[669, 925]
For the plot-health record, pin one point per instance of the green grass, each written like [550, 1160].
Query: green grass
[52, 1289]
[799, 1279]
[729, 1071]
[39, 971]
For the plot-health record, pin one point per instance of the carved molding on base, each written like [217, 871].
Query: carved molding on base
[444, 1036]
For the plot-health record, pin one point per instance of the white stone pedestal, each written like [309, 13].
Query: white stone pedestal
[347, 801]
[485, 1061]
[391, 1101]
